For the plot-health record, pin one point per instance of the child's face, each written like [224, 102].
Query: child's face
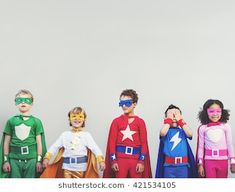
[214, 113]
[127, 104]
[24, 102]
[77, 119]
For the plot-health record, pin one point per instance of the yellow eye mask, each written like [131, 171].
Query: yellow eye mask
[77, 116]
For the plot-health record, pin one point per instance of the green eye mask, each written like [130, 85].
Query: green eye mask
[20, 100]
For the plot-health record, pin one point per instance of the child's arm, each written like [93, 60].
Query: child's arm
[39, 152]
[167, 123]
[164, 129]
[53, 150]
[187, 131]
[231, 154]
[91, 144]
[6, 165]
[112, 141]
[144, 146]
[7, 139]
[200, 152]
[39, 145]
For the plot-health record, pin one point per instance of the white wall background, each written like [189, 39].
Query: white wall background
[84, 53]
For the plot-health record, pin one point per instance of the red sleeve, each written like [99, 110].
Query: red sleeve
[113, 134]
[143, 137]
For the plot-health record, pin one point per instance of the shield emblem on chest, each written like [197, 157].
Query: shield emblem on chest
[215, 135]
[22, 131]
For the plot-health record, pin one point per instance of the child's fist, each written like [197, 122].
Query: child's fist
[102, 166]
[6, 167]
[232, 168]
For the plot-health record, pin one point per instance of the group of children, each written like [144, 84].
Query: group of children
[75, 154]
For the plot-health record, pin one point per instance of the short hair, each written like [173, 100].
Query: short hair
[77, 110]
[172, 107]
[130, 93]
[24, 92]
[203, 116]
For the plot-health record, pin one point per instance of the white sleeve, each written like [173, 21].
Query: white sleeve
[56, 146]
[91, 144]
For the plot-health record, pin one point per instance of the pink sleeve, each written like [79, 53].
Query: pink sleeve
[229, 141]
[200, 152]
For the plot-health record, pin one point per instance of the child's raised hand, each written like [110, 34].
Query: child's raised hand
[178, 115]
[170, 114]
[6, 167]
[102, 166]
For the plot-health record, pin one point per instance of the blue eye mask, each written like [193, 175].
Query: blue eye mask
[127, 103]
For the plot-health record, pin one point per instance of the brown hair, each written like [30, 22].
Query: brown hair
[24, 92]
[77, 110]
[130, 93]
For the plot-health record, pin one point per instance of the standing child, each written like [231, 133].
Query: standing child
[74, 151]
[175, 157]
[214, 147]
[127, 153]
[23, 143]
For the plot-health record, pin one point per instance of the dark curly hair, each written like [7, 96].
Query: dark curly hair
[203, 116]
[172, 107]
[130, 93]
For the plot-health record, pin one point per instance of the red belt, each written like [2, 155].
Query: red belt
[176, 160]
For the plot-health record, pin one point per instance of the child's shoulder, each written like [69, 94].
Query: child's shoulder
[120, 117]
[139, 118]
[124, 117]
[36, 120]
[202, 127]
[226, 125]
[34, 117]
[14, 118]
[84, 132]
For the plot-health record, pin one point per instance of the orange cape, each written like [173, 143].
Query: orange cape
[55, 170]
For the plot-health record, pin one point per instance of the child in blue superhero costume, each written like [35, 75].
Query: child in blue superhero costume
[175, 158]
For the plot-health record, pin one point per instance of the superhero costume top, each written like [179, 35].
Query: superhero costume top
[23, 131]
[127, 140]
[215, 142]
[76, 145]
[175, 145]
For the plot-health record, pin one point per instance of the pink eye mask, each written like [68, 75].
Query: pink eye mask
[212, 112]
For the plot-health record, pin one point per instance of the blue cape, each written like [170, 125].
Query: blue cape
[161, 157]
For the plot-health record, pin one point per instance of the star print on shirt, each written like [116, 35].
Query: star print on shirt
[74, 143]
[112, 156]
[127, 133]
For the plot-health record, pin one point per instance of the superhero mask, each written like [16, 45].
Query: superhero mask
[127, 103]
[213, 112]
[77, 116]
[19, 100]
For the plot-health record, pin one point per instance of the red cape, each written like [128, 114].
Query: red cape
[109, 173]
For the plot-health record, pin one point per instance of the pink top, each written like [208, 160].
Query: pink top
[215, 142]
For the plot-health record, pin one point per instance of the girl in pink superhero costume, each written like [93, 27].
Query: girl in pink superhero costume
[214, 147]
